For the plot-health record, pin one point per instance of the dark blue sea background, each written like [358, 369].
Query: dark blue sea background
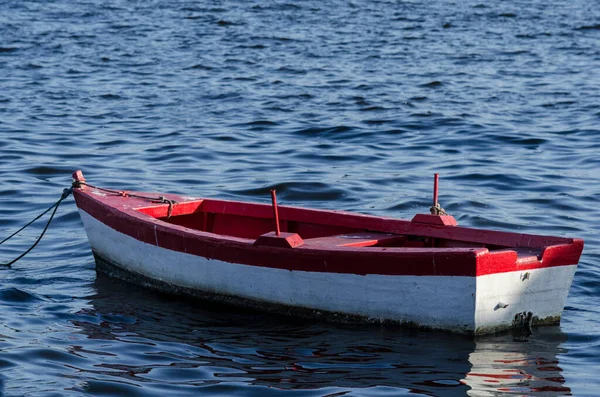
[341, 104]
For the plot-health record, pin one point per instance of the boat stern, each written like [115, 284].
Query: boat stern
[516, 287]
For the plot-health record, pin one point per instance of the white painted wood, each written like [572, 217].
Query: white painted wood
[461, 304]
[444, 302]
[540, 291]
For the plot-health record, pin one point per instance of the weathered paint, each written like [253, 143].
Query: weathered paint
[502, 296]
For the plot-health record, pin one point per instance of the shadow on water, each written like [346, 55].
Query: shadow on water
[165, 344]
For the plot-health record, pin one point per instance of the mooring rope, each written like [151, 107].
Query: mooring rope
[65, 194]
[124, 193]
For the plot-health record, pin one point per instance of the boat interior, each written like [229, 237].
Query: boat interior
[316, 228]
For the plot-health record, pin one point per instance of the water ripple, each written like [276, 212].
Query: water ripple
[354, 111]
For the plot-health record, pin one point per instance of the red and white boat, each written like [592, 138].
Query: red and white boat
[426, 272]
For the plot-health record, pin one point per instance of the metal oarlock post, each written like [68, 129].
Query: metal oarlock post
[435, 189]
[275, 213]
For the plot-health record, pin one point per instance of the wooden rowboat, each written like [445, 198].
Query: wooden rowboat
[427, 272]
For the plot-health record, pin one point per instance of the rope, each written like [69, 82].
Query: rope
[65, 194]
[437, 210]
[163, 199]
[123, 193]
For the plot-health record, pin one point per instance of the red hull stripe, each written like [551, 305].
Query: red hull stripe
[116, 212]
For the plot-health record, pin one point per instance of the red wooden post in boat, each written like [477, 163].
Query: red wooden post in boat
[437, 216]
[435, 189]
[276, 238]
[275, 213]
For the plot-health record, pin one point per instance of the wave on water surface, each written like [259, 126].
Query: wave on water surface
[349, 106]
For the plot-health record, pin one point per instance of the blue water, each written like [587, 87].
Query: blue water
[344, 105]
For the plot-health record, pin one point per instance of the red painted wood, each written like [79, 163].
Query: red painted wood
[435, 189]
[275, 213]
[137, 218]
[360, 239]
[440, 220]
[180, 208]
[282, 240]
[231, 225]
[78, 176]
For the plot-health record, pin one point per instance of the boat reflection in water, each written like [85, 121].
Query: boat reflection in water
[139, 340]
[518, 366]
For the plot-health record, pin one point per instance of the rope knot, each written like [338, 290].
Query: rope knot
[437, 210]
[66, 192]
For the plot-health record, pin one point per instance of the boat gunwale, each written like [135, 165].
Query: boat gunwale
[508, 257]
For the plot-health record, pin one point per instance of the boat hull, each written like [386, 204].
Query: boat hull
[457, 303]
